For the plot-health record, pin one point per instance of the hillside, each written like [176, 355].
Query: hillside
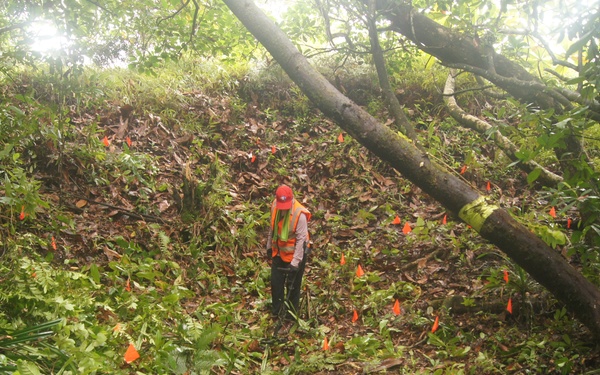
[135, 210]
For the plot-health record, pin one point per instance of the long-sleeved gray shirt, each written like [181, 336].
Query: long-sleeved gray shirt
[301, 238]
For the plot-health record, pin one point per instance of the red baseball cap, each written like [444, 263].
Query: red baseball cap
[284, 196]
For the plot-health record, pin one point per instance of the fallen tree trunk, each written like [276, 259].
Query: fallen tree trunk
[543, 263]
[459, 305]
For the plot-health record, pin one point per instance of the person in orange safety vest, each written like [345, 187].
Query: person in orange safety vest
[286, 246]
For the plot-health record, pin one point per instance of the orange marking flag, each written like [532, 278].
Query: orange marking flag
[396, 220]
[343, 260]
[53, 243]
[488, 187]
[463, 169]
[506, 276]
[252, 158]
[128, 286]
[569, 221]
[553, 212]
[354, 316]
[325, 343]
[273, 149]
[106, 141]
[131, 354]
[396, 308]
[359, 271]
[128, 140]
[407, 229]
[340, 138]
[509, 306]
[445, 219]
[22, 214]
[436, 324]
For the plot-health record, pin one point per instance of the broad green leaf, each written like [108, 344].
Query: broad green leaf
[533, 175]
[7, 149]
[16, 110]
[95, 273]
[28, 368]
[580, 43]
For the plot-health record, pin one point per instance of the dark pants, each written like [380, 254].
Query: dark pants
[280, 286]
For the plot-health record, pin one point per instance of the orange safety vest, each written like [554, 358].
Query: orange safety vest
[287, 248]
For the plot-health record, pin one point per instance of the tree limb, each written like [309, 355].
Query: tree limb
[490, 92]
[562, 96]
[194, 21]
[546, 177]
[392, 101]
[183, 6]
[531, 86]
[555, 60]
[557, 75]
[461, 51]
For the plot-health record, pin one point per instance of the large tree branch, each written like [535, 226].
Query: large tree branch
[461, 51]
[392, 101]
[457, 48]
[561, 95]
[510, 82]
[547, 178]
[545, 264]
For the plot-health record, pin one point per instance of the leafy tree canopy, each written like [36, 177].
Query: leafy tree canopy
[140, 32]
[559, 35]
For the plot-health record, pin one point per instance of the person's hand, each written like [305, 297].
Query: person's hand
[293, 268]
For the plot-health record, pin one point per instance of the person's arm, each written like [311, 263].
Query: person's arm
[301, 238]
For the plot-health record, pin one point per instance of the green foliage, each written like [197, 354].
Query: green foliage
[303, 23]
[16, 355]
[448, 347]
[146, 33]
[21, 193]
[585, 229]
[198, 293]
[93, 325]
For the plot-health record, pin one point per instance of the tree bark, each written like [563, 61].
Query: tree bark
[545, 265]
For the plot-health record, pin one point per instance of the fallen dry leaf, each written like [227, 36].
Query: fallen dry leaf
[385, 365]
[111, 253]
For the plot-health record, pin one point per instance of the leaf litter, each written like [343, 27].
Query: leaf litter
[396, 278]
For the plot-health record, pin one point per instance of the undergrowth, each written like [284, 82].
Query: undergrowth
[96, 255]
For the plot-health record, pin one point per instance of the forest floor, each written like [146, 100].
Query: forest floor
[411, 250]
